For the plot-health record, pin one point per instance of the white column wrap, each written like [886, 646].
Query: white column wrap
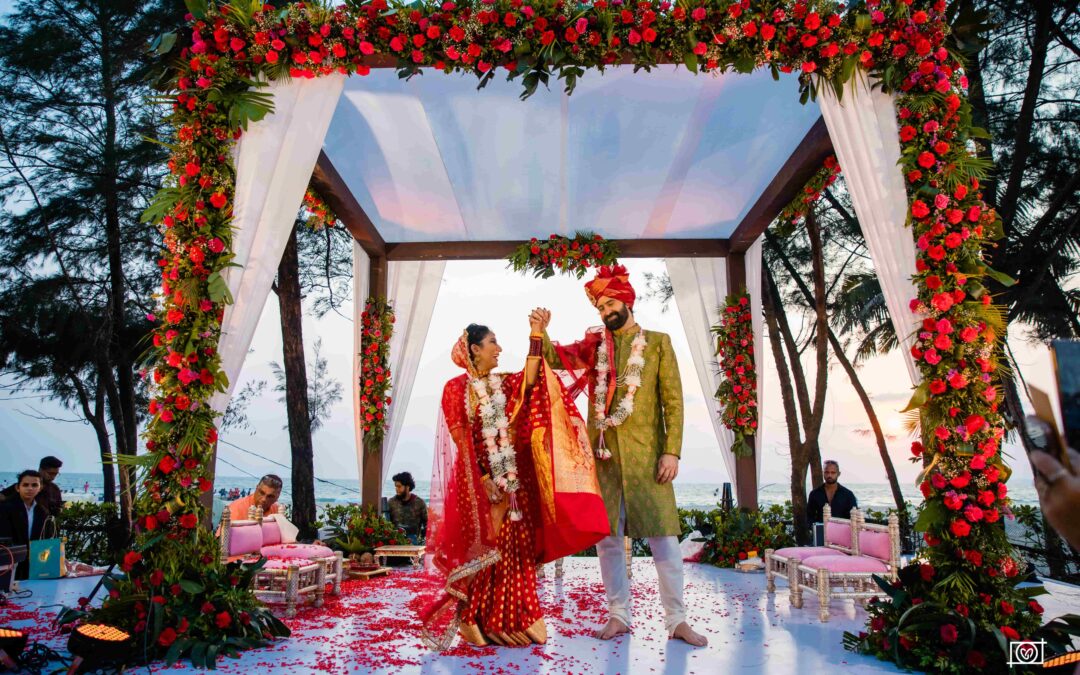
[274, 161]
[700, 286]
[866, 139]
[413, 287]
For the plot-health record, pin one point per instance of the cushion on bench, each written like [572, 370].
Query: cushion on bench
[847, 563]
[804, 552]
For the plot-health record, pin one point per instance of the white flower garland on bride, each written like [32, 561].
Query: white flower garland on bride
[634, 365]
[500, 452]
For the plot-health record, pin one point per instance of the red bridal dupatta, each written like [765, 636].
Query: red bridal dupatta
[556, 470]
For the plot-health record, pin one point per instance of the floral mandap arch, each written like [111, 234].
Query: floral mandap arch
[181, 601]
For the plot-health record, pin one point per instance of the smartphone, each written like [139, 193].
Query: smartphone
[1067, 368]
[1042, 428]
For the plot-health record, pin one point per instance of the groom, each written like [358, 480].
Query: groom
[635, 422]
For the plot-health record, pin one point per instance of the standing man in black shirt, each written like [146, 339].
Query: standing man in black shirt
[840, 499]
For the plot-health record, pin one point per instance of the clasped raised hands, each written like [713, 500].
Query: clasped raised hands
[539, 319]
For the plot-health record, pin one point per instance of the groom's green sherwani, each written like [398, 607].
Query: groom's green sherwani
[654, 428]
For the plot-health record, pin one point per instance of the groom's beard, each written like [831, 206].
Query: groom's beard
[617, 320]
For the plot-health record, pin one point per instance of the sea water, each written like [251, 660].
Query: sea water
[688, 495]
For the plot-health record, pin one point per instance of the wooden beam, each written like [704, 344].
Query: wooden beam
[494, 250]
[785, 186]
[332, 188]
[746, 487]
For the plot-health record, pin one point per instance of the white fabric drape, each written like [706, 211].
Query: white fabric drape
[700, 287]
[274, 161]
[753, 287]
[866, 139]
[413, 289]
[361, 267]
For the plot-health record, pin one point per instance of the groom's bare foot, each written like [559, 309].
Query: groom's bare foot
[685, 633]
[613, 628]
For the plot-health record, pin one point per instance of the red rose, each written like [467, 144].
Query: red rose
[960, 528]
[919, 209]
[1010, 633]
[926, 159]
[768, 31]
[131, 558]
[217, 200]
[926, 571]
[949, 634]
[189, 521]
[223, 620]
[976, 659]
[167, 637]
[166, 465]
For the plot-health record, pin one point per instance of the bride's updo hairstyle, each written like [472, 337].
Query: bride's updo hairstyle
[474, 335]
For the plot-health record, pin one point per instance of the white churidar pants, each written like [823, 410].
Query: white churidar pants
[669, 568]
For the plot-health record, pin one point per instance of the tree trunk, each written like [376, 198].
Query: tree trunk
[1025, 120]
[798, 498]
[96, 418]
[124, 404]
[770, 300]
[980, 116]
[296, 389]
[112, 396]
[864, 398]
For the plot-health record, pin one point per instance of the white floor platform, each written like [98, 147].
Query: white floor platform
[373, 628]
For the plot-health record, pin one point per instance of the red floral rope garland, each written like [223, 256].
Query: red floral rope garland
[375, 382]
[318, 214]
[737, 392]
[902, 41]
[796, 210]
[565, 255]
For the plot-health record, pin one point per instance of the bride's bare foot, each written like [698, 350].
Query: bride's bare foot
[685, 633]
[613, 628]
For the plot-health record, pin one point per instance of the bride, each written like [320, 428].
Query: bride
[514, 485]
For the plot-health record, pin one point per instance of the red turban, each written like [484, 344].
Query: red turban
[611, 282]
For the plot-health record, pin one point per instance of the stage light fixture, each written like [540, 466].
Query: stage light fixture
[96, 644]
[12, 643]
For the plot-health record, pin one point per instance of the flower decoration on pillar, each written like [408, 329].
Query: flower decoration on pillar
[737, 392]
[900, 44]
[564, 255]
[376, 330]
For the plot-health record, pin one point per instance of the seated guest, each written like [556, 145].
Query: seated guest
[50, 497]
[408, 511]
[265, 496]
[840, 499]
[22, 519]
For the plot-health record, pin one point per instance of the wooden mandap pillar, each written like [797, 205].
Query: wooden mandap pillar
[371, 482]
[746, 487]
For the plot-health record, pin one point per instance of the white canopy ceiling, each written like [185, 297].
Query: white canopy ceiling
[666, 154]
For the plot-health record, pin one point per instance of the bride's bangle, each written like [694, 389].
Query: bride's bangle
[536, 345]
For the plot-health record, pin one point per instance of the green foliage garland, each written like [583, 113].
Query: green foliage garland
[573, 255]
[214, 93]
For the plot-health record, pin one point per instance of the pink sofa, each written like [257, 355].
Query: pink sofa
[841, 539]
[877, 553]
[292, 573]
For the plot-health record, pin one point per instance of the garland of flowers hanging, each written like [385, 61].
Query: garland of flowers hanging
[377, 327]
[564, 255]
[737, 392]
[901, 42]
[796, 210]
[317, 215]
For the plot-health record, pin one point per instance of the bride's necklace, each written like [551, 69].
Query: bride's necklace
[632, 379]
[495, 429]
